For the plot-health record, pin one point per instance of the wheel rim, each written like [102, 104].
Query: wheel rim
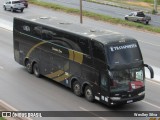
[88, 94]
[28, 66]
[77, 89]
[36, 70]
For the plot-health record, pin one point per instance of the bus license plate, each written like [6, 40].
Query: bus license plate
[129, 101]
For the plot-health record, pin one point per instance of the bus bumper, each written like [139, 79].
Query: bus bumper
[127, 100]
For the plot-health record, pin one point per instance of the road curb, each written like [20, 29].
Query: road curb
[6, 107]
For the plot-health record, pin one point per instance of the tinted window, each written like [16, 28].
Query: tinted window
[14, 2]
[57, 37]
[84, 45]
[37, 31]
[131, 14]
[66, 39]
[48, 34]
[140, 14]
[98, 50]
[28, 28]
[32, 29]
[123, 53]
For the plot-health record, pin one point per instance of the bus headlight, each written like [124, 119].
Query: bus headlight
[115, 98]
[141, 93]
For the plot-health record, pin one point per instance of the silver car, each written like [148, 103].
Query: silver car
[138, 17]
[13, 5]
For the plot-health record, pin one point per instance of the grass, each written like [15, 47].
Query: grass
[2, 118]
[147, 5]
[146, 1]
[96, 16]
[150, 1]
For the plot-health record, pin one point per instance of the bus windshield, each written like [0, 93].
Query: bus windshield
[123, 53]
[127, 80]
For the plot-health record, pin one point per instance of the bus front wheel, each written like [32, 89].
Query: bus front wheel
[89, 94]
[36, 70]
[77, 88]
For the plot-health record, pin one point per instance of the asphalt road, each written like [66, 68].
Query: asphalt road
[26, 92]
[115, 12]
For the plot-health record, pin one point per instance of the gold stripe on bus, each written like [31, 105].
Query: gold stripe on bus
[30, 51]
[63, 77]
[55, 74]
[78, 57]
[70, 54]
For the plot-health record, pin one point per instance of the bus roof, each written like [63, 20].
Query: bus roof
[103, 36]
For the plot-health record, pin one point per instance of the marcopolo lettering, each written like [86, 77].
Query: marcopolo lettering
[115, 48]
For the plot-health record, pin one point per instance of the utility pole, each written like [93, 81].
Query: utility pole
[155, 5]
[81, 12]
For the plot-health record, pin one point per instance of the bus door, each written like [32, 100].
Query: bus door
[104, 86]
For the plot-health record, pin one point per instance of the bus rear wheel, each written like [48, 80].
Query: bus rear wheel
[28, 67]
[77, 88]
[89, 94]
[36, 70]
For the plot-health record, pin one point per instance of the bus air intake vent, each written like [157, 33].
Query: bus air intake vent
[44, 17]
[64, 23]
[93, 30]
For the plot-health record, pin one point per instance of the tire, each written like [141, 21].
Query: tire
[89, 94]
[4, 7]
[21, 10]
[146, 22]
[28, 67]
[12, 10]
[77, 88]
[126, 18]
[36, 70]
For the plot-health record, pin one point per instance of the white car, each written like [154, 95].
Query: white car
[13, 5]
[138, 16]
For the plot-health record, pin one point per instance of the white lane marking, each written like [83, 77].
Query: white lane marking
[149, 43]
[92, 113]
[153, 82]
[10, 108]
[1, 67]
[151, 104]
[83, 109]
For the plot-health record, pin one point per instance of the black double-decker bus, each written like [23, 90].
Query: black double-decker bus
[103, 65]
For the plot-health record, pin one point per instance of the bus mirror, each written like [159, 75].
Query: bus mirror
[150, 69]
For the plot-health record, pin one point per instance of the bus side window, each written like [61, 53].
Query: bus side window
[31, 29]
[48, 34]
[84, 45]
[37, 31]
[98, 51]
